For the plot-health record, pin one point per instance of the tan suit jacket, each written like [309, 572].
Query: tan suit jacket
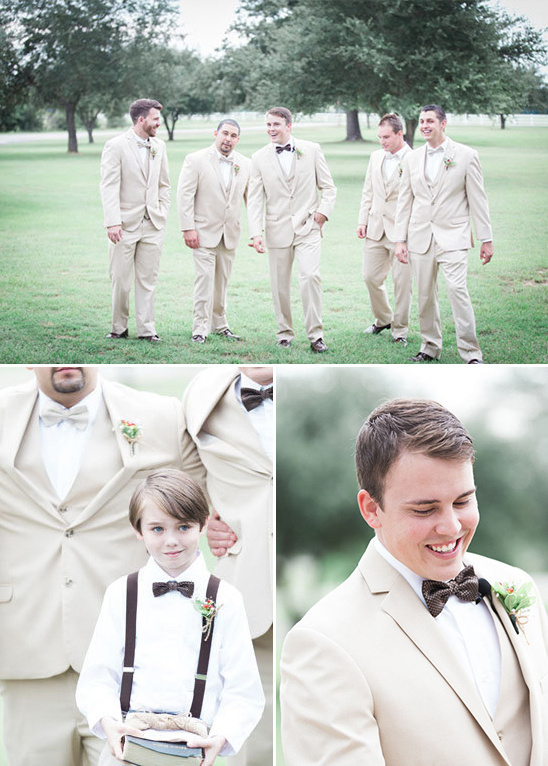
[57, 555]
[239, 483]
[128, 193]
[442, 209]
[204, 202]
[290, 203]
[367, 679]
[379, 198]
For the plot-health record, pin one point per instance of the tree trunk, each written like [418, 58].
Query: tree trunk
[353, 132]
[70, 110]
[170, 131]
[502, 121]
[410, 127]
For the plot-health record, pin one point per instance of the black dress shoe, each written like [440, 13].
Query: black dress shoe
[117, 335]
[422, 357]
[228, 334]
[198, 339]
[150, 338]
[284, 343]
[401, 341]
[475, 361]
[318, 347]
[376, 329]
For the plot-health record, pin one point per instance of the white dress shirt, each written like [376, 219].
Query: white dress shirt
[143, 151]
[226, 163]
[166, 657]
[391, 162]
[434, 158]
[469, 629]
[286, 158]
[62, 445]
[262, 417]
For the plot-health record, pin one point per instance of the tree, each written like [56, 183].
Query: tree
[388, 55]
[73, 50]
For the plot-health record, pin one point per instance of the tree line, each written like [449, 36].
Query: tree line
[91, 57]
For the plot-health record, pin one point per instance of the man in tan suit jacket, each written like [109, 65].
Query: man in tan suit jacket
[376, 226]
[135, 193]
[66, 475]
[235, 446]
[286, 176]
[212, 184]
[441, 186]
[414, 660]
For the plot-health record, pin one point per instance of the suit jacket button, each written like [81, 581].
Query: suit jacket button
[69, 532]
[68, 583]
[63, 509]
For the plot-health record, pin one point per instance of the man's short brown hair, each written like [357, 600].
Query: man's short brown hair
[393, 120]
[142, 107]
[407, 425]
[281, 111]
[173, 492]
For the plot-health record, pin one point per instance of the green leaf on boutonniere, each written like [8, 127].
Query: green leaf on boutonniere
[515, 599]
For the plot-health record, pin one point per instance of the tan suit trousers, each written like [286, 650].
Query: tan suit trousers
[212, 267]
[41, 724]
[307, 250]
[136, 258]
[378, 258]
[454, 264]
[258, 750]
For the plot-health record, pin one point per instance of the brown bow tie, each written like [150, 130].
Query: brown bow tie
[464, 586]
[286, 148]
[252, 397]
[185, 588]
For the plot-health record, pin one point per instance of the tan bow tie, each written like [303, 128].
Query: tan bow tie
[78, 416]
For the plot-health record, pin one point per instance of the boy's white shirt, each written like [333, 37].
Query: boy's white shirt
[166, 657]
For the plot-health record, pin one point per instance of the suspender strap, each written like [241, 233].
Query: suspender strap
[129, 655]
[205, 650]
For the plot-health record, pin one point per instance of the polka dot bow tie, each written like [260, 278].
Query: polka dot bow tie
[464, 586]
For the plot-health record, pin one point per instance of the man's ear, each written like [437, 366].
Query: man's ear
[137, 534]
[369, 509]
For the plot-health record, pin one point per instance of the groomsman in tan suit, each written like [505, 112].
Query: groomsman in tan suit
[66, 475]
[286, 175]
[229, 415]
[414, 660]
[376, 226]
[212, 184]
[441, 186]
[135, 192]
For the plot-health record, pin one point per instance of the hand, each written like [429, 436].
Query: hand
[258, 244]
[211, 746]
[361, 231]
[486, 252]
[401, 252]
[114, 233]
[320, 219]
[116, 731]
[192, 238]
[219, 535]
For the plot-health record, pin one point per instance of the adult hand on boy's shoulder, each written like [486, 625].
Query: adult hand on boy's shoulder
[211, 746]
[115, 732]
[220, 536]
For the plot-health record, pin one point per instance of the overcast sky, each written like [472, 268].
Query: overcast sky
[206, 22]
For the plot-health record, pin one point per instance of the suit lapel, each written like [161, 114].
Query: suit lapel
[410, 614]
[420, 155]
[277, 166]
[215, 164]
[134, 150]
[441, 178]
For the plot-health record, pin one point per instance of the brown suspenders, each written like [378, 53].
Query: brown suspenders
[129, 655]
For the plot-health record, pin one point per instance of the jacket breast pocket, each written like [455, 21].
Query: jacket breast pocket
[6, 593]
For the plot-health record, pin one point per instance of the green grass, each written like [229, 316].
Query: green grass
[55, 290]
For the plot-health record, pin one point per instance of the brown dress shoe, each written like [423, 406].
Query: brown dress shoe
[150, 338]
[422, 357]
[198, 339]
[284, 343]
[117, 335]
[318, 347]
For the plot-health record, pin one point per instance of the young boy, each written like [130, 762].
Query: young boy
[168, 511]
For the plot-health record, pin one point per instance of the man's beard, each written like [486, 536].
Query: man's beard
[69, 385]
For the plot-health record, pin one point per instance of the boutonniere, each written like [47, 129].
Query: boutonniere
[298, 153]
[153, 151]
[449, 162]
[236, 169]
[208, 609]
[131, 432]
[515, 599]
[400, 169]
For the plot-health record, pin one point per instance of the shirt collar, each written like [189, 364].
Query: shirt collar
[441, 148]
[92, 402]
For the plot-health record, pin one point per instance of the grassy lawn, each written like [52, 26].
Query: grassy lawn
[55, 291]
